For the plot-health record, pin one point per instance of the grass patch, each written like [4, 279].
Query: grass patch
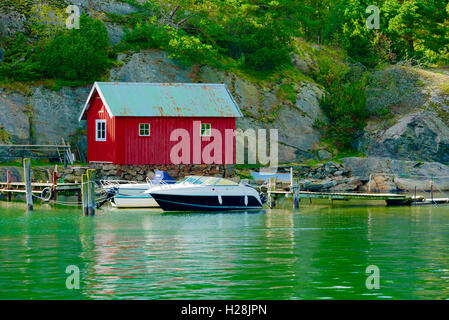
[286, 92]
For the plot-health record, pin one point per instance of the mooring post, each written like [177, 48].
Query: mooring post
[431, 189]
[27, 175]
[84, 191]
[271, 187]
[369, 183]
[91, 191]
[296, 195]
[291, 178]
[8, 180]
[55, 182]
[415, 195]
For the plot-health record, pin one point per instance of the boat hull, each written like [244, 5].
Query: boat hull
[171, 202]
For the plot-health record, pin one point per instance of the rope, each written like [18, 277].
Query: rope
[69, 203]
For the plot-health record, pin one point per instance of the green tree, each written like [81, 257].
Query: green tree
[77, 54]
[20, 61]
[417, 25]
[46, 21]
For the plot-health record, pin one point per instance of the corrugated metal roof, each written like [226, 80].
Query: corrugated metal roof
[165, 99]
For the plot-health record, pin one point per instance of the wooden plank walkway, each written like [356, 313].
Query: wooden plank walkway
[58, 186]
[353, 195]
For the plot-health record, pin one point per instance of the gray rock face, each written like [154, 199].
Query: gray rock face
[246, 94]
[396, 88]
[324, 154]
[11, 22]
[419, 129]
[106, 6]
[400, 174]
[295, 124]
[149, 66]
[421, 136]
[115, 33]
[55, 113]
[13, 118]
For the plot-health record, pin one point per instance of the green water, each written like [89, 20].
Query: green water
[312, 253]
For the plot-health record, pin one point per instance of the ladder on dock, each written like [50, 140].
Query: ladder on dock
[273, 193]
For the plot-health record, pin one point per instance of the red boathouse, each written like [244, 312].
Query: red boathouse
[152, 123]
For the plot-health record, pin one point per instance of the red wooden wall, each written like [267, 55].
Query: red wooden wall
[123, 144]
[100, 151]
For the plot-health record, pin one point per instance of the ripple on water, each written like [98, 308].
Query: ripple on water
[311, 254]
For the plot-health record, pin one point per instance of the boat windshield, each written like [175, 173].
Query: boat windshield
[207, 181]
[225, 182]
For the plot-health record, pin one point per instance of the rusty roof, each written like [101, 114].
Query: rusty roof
[165, 99]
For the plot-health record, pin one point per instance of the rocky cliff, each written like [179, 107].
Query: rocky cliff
[412, 104]
[418, 102]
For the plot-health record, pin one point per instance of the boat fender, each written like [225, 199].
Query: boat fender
[246, 200]
[47, 194]
[220, 200]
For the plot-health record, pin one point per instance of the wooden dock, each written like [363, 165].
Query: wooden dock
[17, 186]
[53, 187]
[389, 198]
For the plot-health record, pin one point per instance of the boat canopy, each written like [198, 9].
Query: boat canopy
[213, 181]
[160, 176]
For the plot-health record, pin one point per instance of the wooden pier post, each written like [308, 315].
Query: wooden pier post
[431, 189]
[291, 178]
[271, 196]
[84, 192]
[54, 182]
[369, 183]
[296, 198]
[91, 191]
[27, 175]
[414, 200]
[8, 180]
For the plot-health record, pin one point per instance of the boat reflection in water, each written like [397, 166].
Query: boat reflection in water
[197, 193]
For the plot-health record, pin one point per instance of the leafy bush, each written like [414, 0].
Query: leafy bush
[264, 47]
[287, 92]
[345, 107]
[180, 46]
[20, 61]
[330, 69]
[5, 137]
[344, 104]
[77, 54]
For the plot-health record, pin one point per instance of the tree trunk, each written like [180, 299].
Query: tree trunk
[411, 45]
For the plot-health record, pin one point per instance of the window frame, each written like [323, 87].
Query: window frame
[210, 130]
[149, 130]
[97, 138]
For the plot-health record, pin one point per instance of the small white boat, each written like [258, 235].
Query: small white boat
[137, 201]
[132, 195]
[197, 193]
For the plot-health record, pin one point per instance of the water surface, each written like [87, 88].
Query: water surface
[316, 252]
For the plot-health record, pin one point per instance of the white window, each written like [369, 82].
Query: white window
[144, 129]
[100, 129]
[206, 130]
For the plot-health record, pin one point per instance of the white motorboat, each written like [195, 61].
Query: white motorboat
[197, 193]
[132, 195]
